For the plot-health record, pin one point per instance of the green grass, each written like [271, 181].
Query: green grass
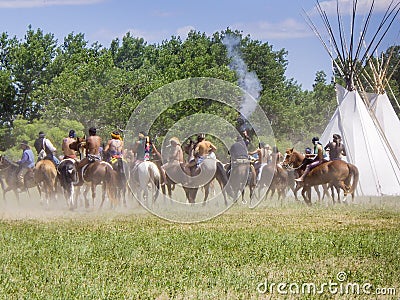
[135, 256]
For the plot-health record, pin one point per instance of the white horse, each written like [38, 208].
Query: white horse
[145, 175]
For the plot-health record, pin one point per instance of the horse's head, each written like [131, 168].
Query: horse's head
[293, 159]
[80, 143]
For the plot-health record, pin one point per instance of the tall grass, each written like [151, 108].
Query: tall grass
[140, 256]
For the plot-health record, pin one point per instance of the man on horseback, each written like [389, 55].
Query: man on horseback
[264, 157]
[319, 158]
[115, 146]
[336, 148]
[175, 157]
[144, 149]
[203, 149]
[92, 147]
[26, 163]
[45, 149]
[68, 152]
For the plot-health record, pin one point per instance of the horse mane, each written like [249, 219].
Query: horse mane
[9, 161]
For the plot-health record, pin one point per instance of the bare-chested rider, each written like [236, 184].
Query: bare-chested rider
[67, 151]
[203, 149]
[92, 147]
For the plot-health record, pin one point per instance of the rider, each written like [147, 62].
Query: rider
[26, 163]
[41, 143]
[203, 149]
[238, 153]
[319, 159]
[336, 148]
[68, 152]
[115, 146]
[175, 156]
[144, 148]
[92, 147]
[264, 157]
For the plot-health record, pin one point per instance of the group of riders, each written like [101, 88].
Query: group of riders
[144, 149]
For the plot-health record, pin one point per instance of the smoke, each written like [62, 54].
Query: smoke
[247, 80]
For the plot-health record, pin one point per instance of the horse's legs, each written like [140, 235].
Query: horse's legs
[296, 189]
[103, 194]
[206, 192]
[85, 192]
[306, 193]
[316, 188]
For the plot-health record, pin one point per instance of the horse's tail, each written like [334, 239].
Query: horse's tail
[155, 178]
[353, 172]
[111, 181]
[47, 177]
[221, 173]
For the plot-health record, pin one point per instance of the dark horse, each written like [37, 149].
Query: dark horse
[67, 175]
[336, 173]
[121, 168]
[9, 170]
[241, 174]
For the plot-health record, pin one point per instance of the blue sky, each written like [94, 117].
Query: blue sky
[278, 22]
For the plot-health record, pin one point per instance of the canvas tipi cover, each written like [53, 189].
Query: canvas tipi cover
[365, 144]
[387, 118]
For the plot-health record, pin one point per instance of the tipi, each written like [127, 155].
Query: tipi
[366, 144]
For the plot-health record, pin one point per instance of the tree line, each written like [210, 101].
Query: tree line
[52, 86]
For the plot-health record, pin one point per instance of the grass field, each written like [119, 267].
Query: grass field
[243, 254]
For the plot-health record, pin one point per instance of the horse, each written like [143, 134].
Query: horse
[97, 172]
[122, 170]
[336, 173]
[100, 172]
[240, 171]
[210, 169]
[142, 175]
[9, 171]
[297, 172]
[274, 177]
[45, 174]
[67, 175]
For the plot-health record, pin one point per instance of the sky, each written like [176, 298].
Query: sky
[281, 23]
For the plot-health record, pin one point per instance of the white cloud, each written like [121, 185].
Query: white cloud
[346, 6]
[287, 29]
[41, 3]
[105, 36]
[183, 31]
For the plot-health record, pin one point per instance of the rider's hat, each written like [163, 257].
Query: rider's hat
[175, 140]
[336, 136]
[24, 142]
[116, 135]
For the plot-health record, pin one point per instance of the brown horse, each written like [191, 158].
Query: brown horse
[45, 175]
[202, 176]
[9, 171]
[100, 172]
[297, 172]
[336, 173]
[95, 173]
[275, 178]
